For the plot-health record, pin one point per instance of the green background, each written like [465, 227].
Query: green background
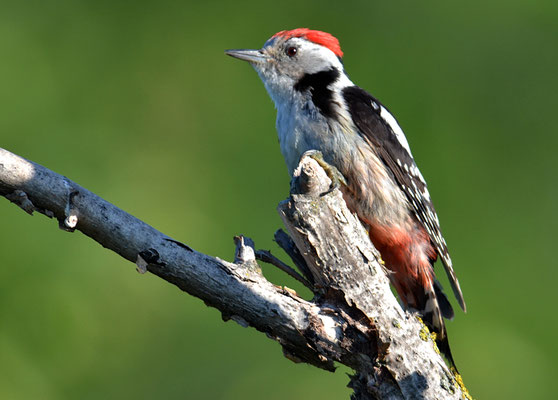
[137, 102]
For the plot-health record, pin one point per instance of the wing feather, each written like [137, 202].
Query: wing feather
[379, 128]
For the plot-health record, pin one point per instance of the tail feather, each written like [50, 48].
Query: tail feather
[444, 347]
[443, 302]
[436, 307]
[430, 310]
[446, 262]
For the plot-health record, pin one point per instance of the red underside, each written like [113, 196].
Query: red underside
[409, 255]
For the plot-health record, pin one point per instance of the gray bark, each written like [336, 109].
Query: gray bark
[354, 318]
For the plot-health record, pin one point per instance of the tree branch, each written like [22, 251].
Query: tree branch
[354, 318]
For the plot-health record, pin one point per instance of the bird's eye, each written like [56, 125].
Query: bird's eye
[291, 51]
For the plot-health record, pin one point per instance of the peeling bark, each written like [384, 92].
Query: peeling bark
[354, 318]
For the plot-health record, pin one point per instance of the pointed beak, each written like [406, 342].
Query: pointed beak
[252, 56]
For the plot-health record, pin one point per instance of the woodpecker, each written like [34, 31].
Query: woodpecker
[320, 108]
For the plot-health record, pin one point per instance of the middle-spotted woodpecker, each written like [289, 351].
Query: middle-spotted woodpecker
[319, 108]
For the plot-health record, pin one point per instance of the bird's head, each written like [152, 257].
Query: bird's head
[289, 56]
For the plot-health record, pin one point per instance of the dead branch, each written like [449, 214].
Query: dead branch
[354, 318]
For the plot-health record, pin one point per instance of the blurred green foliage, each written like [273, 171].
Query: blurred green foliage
[137, 102]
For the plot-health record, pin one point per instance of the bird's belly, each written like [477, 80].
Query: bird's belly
[297, 138]
[371, 191]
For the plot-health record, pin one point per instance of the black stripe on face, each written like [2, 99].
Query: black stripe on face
[318, 85]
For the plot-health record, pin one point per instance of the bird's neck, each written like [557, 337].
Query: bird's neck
[311, 116]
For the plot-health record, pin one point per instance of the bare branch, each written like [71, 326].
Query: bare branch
[355, 320]
[267, 257]
[286, 243]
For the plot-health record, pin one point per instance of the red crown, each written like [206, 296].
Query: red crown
[322, 38]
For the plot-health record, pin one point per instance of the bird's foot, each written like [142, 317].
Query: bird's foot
[337, 178]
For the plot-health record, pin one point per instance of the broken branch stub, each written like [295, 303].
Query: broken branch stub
[398, 359]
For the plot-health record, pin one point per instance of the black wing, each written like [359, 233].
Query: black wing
[381, 130]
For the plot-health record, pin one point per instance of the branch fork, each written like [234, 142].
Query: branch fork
[353, 319]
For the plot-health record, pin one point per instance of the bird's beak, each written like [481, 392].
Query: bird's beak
[252, 56]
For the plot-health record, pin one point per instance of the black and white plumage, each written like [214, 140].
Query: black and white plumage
[320, 108]
[377, 124]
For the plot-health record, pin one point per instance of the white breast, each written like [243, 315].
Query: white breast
[301, 127]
